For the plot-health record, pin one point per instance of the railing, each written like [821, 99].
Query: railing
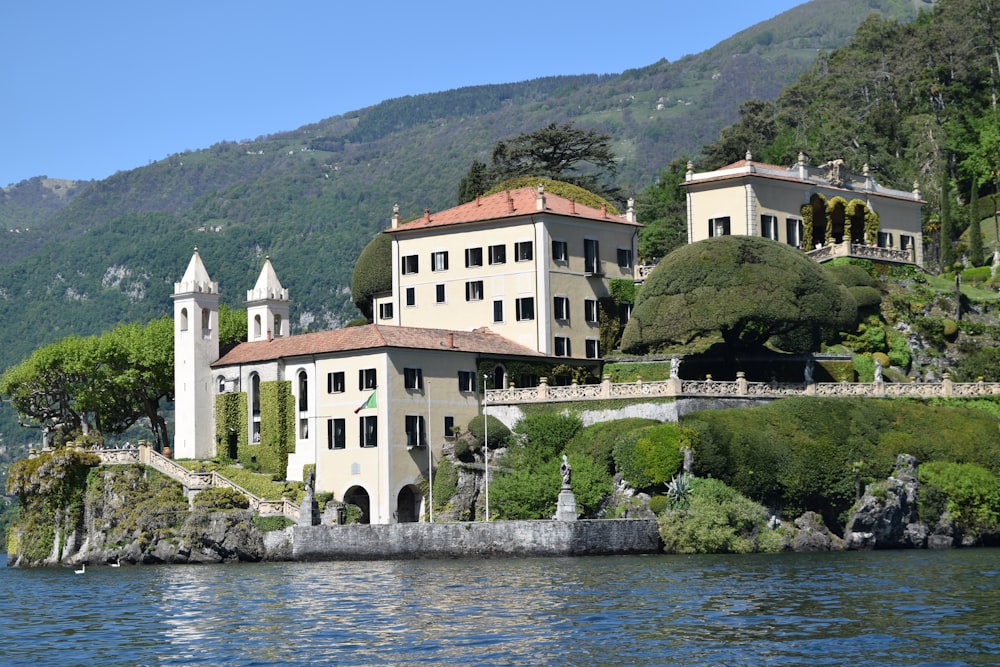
[677, 388]
[196, 481]
[848, 249]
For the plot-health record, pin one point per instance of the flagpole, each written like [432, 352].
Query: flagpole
[486, 449]
[430, 461]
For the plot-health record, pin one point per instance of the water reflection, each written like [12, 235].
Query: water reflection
[789, 609]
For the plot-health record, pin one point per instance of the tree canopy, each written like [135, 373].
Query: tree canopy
[748, 290]
[559, 152]
[371, 273]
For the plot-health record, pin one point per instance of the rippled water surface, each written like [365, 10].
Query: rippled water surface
[898, 608]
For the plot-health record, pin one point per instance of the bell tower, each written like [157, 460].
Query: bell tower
[196, 346]
[267, 306]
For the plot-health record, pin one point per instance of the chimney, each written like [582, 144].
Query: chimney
[630, 212]
[395, 216]
[604, 210]
[572, 206]
[510, 203]
[451, 340]
[540, 198]
[427, 215]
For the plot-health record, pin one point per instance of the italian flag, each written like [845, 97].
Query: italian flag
[369, 403]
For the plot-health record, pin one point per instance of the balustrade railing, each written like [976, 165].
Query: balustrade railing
[676, 388]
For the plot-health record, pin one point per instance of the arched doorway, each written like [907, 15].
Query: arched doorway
[408, 504]
[357, 496]
[497, 378]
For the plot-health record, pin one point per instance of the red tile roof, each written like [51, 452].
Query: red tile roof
[374, 336]
[509, 204]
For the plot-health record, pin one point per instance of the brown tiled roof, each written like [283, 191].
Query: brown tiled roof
[373, 336]
[509, 204]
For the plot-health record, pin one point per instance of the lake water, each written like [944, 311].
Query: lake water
[872, 608]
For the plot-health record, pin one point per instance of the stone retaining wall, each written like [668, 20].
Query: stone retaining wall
[475, 539]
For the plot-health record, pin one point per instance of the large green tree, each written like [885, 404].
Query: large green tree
[746, 290]
[559, 152]
[662, 208]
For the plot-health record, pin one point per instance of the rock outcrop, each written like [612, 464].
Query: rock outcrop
[886, 515]
[811, 534]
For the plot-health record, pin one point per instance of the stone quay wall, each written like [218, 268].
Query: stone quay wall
[472, 539]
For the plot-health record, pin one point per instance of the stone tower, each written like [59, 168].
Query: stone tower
[196, 346]
[267, 306]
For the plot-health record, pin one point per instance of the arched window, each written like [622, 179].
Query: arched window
[277, 325]
[206, 321]
[256, 327]
[222, 385]
[184, 319]
[303, 391]
[254, 408]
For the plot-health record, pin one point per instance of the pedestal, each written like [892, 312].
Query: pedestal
[566, 507]
[309, 511]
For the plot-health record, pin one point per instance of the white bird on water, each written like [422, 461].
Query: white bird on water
[117, 563]
[83, 569]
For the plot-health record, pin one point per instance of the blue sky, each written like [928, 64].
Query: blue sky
[91, 89]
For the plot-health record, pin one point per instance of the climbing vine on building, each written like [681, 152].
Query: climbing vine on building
[277, 430]
[230, 423]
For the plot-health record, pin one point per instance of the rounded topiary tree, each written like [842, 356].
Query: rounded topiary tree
[746, 290]
[372, 272]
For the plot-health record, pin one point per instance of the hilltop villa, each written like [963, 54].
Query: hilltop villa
[823, 210]
[503, 289]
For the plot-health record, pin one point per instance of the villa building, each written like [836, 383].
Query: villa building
[498, 291]
[823, 210]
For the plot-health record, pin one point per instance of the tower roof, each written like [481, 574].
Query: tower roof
[268, 287]
[196, 278]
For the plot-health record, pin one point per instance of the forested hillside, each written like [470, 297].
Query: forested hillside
[313, 197]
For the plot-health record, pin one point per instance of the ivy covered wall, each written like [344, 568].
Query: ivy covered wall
[231, 423]
[277, 430]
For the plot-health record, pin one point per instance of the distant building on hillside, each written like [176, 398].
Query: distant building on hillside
[499, 291]
[823, 210]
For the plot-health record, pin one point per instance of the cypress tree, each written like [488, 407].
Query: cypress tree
[947, 226]
[975, 233]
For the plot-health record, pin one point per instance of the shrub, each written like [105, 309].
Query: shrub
[597, 441]
[949, 328]
[970, 494]
[658, 504]
[492, 427]
[719, 520]
[445, 484]
[220, 498]
[545, 434]
[882, 358]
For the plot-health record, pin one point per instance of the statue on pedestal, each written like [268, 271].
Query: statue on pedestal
[567, 471]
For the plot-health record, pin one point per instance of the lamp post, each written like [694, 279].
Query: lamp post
[430, 461]
[486, 450]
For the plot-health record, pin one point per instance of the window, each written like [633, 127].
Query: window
[449, 427]
[793, 232]
[522, 251]
[336, 433]
[769, 227]
[255, 408]
[560, 307]
[905, 241]
[415, 433]
[592, 349]
[473, 257]
[410, 264]
[222, 384]
[498, 254]
[624, 258]
[525, 308]
[369, 431]
[562, 346]
[590, 310]
[206, 322]
[184, 319]
[467, 381]
[385, 311]
[303, 391]
[277, 325]
[257, 327]
[439, 261]
[474, 290]
[413, 378]
[439, 293]
[303, 429]
[367, 378]
[591, 257]
[885, 239]
[335, 382]
[498, 310]
[560, 251]
[718, 227]
[411, 296]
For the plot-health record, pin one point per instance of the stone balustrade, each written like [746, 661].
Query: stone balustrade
[708, 388]
[196, 481]
[848, 249]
